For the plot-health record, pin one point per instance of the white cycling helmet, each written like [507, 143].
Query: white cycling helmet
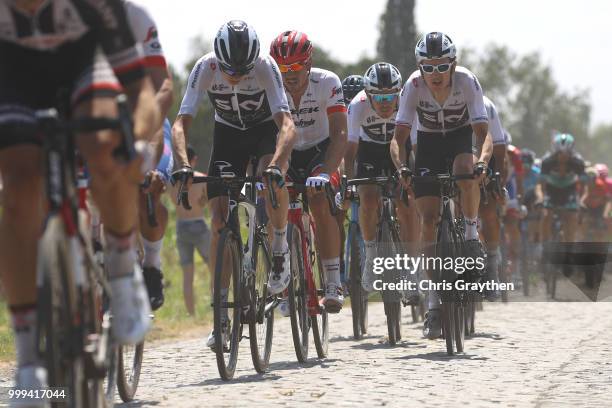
[382, 76]
[435, 45]
[236, 46]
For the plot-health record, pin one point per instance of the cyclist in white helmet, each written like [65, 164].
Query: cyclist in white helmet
[448, 101]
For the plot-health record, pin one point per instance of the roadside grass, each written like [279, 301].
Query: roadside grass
[172, 319]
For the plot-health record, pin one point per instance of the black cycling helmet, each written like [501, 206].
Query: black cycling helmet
[528, 156]
[236, 47]
[351, 86]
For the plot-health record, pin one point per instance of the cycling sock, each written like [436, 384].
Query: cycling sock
[493, 257]
[120, 255]
[471, 228]
[24, 321]
[152, 253]
[279, 240]
[370, 249]
[331, 269]
[433, 300]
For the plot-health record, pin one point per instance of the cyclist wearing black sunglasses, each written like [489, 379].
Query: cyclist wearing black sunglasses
[371, 125]
[448, 102]
[251, 119]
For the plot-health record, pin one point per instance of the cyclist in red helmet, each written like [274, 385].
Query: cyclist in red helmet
[319, 113]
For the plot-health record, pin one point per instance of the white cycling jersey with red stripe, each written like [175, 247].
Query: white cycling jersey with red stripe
[323, 97]
[464, 105]
[259, 95]
[145, 32]
[365, 124]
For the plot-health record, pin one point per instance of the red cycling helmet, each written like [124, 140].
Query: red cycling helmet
[291, 47]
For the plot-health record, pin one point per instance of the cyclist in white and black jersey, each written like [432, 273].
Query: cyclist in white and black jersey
[252, 118]
[45, 47]
[146, 33]
[371, 126]
[319, 113]
[491, 222]
[449, 105]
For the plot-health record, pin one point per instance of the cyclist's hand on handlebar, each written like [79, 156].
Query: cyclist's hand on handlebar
[480, 171]
[317, 181]
[154, 183]
[273, 176]
[184, 177]
[403, 175]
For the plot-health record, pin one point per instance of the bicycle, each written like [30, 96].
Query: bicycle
[74, 324]
[242, 268]
[389, 244]
[456, 304]
[354, 255]
[307, 284]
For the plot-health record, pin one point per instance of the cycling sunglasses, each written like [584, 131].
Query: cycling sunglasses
[384, 97]
[234, 73]
[441, 68]
[295, 67]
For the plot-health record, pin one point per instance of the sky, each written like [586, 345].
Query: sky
[567, 33]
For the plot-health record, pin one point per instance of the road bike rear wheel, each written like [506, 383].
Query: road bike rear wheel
[227, 277]
[459, 325]
[297, 298]
[320, 320]
[359, 297]
[261, 324]
[129, 366]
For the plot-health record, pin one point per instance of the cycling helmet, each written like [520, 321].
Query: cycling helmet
[351, 86]
[602, 170]
[563, 142]
[291, 47]
[528, 156]
[236, 47]
[591, 172]
[435, 45]
[382, 76]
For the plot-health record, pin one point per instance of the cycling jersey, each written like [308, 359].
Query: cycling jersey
[530, 177]
[365, 124]
[561, 188]
[495, 126]
[464, 105]
[259, 95]
[145, 32]
[58, 23]
[322, 98]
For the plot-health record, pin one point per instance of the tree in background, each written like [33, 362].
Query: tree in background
[398, 36]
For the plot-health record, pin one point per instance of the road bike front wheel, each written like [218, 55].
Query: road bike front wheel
[297, 295]
[227, 305]
[359, 297]
[319, 320]
[261, 324]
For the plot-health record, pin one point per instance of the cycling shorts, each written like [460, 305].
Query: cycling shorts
[374, 160]
[232, 149]
[309, 162]
[436, 153]
[34, 83]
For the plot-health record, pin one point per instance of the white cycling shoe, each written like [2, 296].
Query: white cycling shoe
[367, 275]
[283, 307]
[130, 307]
[210, 341]
[280, 274]
[30, 377]
[334, 298]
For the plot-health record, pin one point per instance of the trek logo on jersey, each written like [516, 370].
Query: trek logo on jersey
[151, 34]
[335, 91]
[304, 123]
[303, 111]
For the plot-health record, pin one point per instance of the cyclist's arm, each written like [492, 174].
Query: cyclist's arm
[484, 146]
[499, 153]
[180, 139]
[350, 156]
[337, 145]
[285, 140]
[398, 145]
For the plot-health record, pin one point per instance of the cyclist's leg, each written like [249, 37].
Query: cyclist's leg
[491, 229]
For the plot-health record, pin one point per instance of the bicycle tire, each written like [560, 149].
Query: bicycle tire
[228, 244]
[391, 299]
[128, 370]
[64, 369]
[320, 320]
[297, 295]
[261, 327]
[359, 299]
[391, 311]
[459, 326]
[111, 378]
